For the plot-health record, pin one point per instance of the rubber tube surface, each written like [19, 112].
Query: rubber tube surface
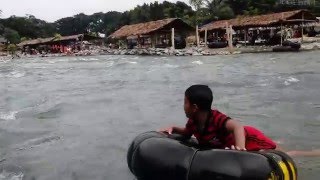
[156, 156]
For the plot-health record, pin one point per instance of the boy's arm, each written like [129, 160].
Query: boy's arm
[237, 129]
[182, 131]
[185, 131]
[177, 130]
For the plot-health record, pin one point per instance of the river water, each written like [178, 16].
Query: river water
[74, 117]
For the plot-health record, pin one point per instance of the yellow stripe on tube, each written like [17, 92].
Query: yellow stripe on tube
[284, 169]
[273, 176]
[293, 171]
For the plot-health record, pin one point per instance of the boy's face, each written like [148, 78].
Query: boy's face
[189, 109]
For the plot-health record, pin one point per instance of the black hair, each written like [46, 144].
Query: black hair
[201, 95]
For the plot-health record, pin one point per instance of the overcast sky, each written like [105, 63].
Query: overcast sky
[52, 10]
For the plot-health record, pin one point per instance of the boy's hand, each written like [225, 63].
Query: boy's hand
[236, 148]
[167, 130]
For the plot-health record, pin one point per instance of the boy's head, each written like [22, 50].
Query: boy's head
[197, 98]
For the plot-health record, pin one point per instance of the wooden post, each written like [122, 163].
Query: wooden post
[166, 40]
[228, 34]
[245, 36]
[153, 41]
[172, 38]
[205, 36]
[126, 43]
[281, 30]
[281, 34]
[197, 36]
[302, 28]
[139, 42]
[231, 38]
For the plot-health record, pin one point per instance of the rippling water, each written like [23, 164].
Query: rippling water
[74, 117]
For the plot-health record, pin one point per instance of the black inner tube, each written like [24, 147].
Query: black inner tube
[159, 156]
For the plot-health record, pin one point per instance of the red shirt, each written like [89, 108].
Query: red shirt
[215, 134]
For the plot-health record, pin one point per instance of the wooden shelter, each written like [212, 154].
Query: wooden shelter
[58, 44]
[63, 40]
[154, 32]
[267, 20]
[275, 20]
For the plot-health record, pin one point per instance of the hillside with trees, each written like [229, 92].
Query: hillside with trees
[16, 29]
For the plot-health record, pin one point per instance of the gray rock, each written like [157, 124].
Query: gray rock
[189, 52]
[196, 54]
[132, 52]
[200, 49]
[143, 52]
[205, 53]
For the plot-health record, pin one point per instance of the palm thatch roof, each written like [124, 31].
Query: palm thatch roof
[274, 19]
[150, 27]
[49, 40]
[36, 41]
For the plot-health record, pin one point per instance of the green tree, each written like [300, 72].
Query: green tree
[209, 10]
[252, 7]
[1, 29]
[196, 4]
[29, 26]
[12, 36]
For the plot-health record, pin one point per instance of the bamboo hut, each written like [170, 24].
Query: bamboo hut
[267, 22]
[160, 33]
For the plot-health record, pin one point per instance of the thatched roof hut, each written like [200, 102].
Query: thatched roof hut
[54, 40]
[267, 20]
[36, 41]
[152, 27]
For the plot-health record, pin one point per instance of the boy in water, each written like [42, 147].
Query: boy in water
[216, 130]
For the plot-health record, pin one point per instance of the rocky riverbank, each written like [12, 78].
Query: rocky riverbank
[167, 52]
[202, 51]
[191, 51]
